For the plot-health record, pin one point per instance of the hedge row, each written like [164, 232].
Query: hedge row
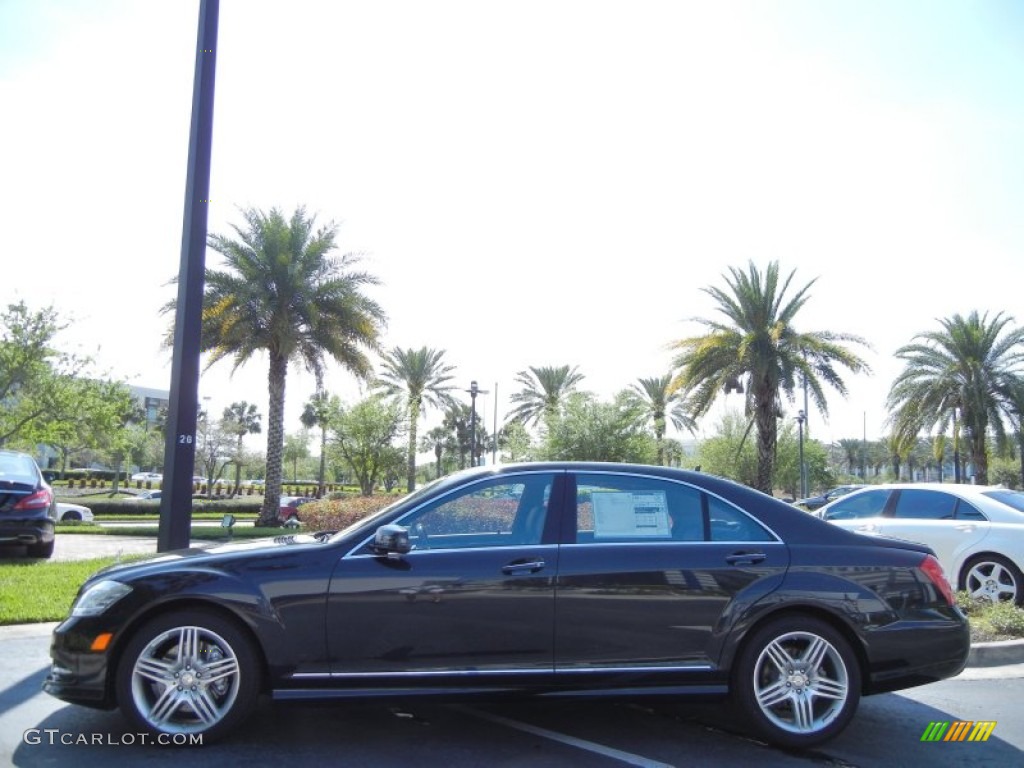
[117, 507]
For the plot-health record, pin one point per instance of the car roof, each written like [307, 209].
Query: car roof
[966, 489]
[982, 494]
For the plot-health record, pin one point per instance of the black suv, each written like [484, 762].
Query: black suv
[28, 510]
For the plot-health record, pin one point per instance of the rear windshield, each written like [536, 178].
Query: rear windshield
[1013, 499]
[18, 468]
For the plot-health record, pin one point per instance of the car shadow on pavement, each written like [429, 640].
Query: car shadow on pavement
[421, 733]
[26, 688]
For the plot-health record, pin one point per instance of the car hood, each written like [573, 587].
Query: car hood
[201, 555]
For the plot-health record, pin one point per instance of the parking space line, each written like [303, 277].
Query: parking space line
[572, 741]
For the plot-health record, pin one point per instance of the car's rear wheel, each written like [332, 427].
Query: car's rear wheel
[797, 681]
[189, 672]
[992, 577]
[71, 516]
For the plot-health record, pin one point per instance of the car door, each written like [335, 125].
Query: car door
[938, 519]
[648, 568]
[474, 596]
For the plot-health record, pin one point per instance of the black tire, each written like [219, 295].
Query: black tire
[70, 516]
[797, 681]
[164, 692]
[993, 577]
[41, 550]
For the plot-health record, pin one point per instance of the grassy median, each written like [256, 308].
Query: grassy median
[42, 590]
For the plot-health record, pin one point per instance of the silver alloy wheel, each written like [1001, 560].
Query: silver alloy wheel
[801, 683]
[991, 580]
[185, 680]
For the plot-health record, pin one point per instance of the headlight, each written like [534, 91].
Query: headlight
[99, 597]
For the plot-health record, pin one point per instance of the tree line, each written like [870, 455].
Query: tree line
[282, 290]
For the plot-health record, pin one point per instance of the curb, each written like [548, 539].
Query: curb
[996, 654]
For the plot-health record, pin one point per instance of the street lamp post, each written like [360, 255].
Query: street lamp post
[473, 390]
[801, 417]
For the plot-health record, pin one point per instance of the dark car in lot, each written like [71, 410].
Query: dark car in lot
[548, 579]
[28, 509]
[816, 502]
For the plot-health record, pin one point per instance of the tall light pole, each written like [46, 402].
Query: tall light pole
[473, 390]
[494, 436]
[180, 445]
[801, 417]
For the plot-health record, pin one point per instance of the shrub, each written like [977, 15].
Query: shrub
[334, 514]
[126, 507]
[991, 621]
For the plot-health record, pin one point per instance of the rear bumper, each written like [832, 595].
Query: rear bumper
[26, 530]
[899, 651]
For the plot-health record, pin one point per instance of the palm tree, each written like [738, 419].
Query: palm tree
[853, 451]
[318, 412]
[659, 402]
[760, 349]
[280, 292]
[1016, 402]
[544, 389]
[966, 372]
[422, 376]
[241, 419]
[434, 441]
[457, 420]
[939, 451]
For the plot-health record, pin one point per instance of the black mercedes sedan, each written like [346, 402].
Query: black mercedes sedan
[547, 579]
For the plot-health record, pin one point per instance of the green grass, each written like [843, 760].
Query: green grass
[40, 590]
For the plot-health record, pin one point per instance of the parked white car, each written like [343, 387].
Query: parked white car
[70, 512]
[976, 531]
[150, 476]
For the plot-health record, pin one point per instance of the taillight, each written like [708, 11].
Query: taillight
[934, 572]
[41, 499]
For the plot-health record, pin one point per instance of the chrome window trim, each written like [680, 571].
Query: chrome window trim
[777, 539]
[485, 479]
[517, 547]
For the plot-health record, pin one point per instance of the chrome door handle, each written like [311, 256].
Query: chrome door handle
[531, 567]
[745, 558]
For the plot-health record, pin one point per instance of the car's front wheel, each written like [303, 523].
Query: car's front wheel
[188, 672]
[991, 577]
[797, 681]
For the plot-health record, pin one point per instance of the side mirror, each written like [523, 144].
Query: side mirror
[391, 540]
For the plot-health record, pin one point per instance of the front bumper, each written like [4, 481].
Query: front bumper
[78, 674]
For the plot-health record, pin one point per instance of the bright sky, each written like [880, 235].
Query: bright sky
[538, 182]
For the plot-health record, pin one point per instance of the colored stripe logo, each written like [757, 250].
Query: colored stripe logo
[960, 730]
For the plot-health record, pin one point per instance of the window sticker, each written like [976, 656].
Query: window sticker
[631, 514]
